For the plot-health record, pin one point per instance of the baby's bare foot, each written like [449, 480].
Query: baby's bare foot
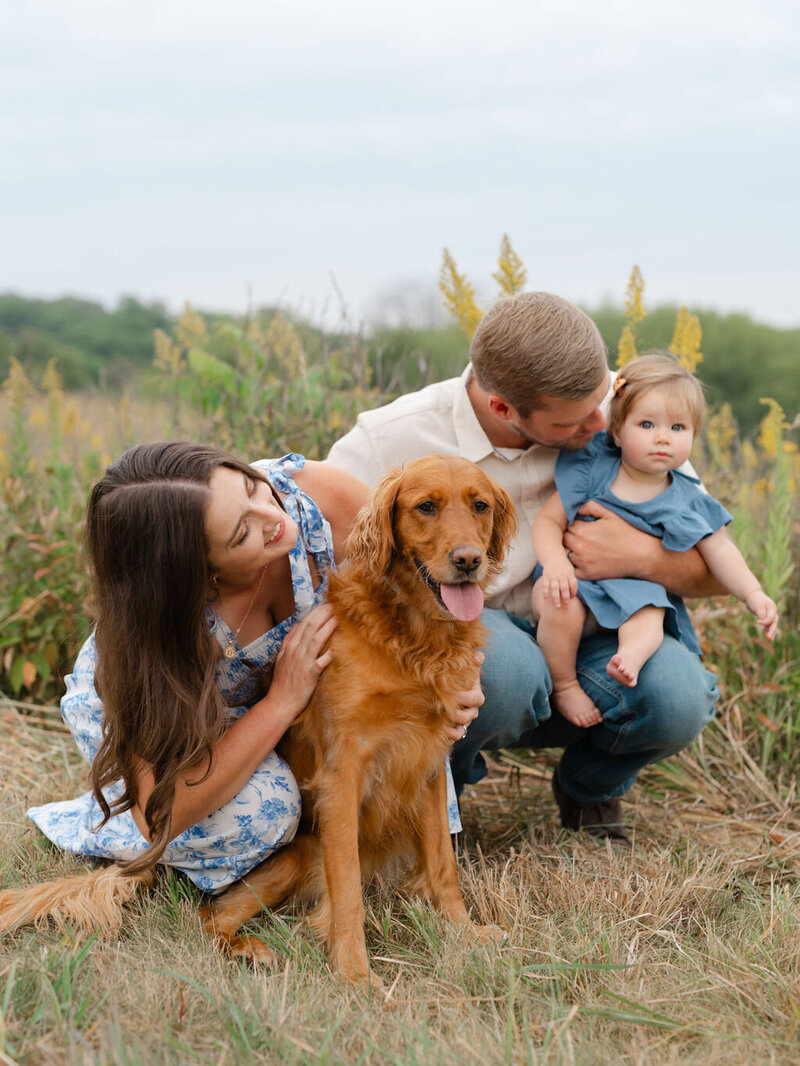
[573, 703]
[622, 671]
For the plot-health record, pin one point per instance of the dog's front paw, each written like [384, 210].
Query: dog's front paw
[489, 934]
[367, 982]
[250, 948]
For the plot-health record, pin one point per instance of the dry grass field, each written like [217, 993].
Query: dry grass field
[684, 949]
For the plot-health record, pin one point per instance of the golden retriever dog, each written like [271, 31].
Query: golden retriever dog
[369, 752]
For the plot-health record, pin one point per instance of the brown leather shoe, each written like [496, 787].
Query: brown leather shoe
[602, 820]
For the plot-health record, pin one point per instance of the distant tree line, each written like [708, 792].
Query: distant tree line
[98, 348]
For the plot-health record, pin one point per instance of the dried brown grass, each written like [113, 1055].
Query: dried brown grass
[684, 948]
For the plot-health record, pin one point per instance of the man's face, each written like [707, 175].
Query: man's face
[558, 423]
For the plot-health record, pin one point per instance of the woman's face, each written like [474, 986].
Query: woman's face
[245, 526]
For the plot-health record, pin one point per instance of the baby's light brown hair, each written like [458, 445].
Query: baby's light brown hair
[656, 370]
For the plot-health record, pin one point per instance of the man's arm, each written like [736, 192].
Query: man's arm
[609, 548]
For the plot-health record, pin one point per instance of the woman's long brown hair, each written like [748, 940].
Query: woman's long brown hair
[156, 657]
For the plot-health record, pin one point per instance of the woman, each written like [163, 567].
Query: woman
[209, 579]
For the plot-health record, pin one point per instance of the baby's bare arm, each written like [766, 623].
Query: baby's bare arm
[558, 581]
[728, 565]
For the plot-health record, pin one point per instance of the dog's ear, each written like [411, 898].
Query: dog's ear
[371, 542]
[505, 524]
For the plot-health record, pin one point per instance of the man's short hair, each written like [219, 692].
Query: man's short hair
[534, 346]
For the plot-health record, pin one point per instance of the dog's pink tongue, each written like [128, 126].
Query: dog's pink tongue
[464, 602]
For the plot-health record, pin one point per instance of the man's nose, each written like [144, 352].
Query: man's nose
[596, 421]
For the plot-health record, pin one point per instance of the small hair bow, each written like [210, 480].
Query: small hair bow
[619, 384]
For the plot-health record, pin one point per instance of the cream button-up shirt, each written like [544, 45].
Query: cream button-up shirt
[440, 418]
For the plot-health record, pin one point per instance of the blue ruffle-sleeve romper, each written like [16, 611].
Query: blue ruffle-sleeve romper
[230, 842]
[680, 516]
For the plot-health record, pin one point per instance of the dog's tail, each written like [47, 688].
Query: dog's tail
[87, 902]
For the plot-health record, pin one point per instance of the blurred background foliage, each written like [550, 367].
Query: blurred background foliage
[81, 383]
[107, 350]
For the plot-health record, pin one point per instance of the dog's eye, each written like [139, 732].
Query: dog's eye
[427, 506]
[481, 505]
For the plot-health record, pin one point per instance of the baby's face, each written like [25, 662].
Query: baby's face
[657, 435]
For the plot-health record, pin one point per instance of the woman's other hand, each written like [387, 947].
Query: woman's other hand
[301, 660]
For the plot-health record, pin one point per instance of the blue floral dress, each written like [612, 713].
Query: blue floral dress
[265, 814]
[680, 516]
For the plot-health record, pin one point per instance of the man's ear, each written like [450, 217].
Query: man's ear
[501, 409]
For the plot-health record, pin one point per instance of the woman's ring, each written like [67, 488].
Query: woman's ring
[463, 731]
[569, 557]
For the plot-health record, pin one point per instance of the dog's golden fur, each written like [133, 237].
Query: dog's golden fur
[369, 752]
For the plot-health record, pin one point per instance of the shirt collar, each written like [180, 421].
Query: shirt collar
[473, 443]
[472, 440]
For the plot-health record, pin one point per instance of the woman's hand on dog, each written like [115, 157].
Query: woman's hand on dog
[300, 662]
[469, 703]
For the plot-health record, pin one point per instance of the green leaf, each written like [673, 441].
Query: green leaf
[211, 369]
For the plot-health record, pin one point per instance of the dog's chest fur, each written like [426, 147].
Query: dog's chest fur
[386, 721]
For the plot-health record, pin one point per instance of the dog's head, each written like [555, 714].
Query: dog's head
[442, 519]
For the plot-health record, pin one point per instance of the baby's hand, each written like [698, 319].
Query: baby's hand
[766, 612]
[559, 583]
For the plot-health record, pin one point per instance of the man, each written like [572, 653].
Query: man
[536, 382]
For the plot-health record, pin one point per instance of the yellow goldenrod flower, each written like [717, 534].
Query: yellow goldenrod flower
[190, 329]
[720, 436]
[511, 273]
[38, 417]
[51, 379]
[17, 387]
[772, 429]
[634, 312]
[69, 420]
[282, 341]
[168, 355]
[686, 340]
[634, 309]
[749, 456]
[626, 349]
[459, 295]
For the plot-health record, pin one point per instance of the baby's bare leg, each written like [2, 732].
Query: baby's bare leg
[639, 638]
[558, 635]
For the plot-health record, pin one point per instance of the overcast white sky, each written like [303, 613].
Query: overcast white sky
[195, 150]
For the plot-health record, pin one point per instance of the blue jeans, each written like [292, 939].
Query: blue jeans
[660, 716]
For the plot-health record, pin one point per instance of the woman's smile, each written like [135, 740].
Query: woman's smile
[277, 533]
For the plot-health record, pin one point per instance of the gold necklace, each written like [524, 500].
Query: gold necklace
[229, 651]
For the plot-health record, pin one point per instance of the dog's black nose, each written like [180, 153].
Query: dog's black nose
[466, 558]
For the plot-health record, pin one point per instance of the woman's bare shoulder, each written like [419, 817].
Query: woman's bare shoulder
[339, 494]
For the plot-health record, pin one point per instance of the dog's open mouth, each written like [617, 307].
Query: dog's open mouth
[463, 601]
